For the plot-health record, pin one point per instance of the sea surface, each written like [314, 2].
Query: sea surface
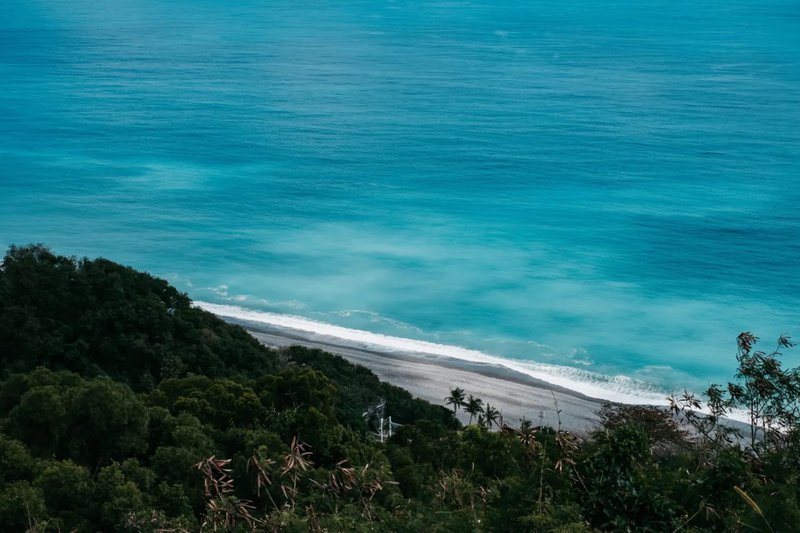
[602, 192]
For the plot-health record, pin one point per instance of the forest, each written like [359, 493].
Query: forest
[125, 408]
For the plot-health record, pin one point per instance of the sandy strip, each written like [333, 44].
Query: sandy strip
[430, 378]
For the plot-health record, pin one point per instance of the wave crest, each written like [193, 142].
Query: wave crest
[622, 389]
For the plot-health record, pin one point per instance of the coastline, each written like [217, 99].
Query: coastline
[515, 394]
[583, 382]
[430, 375]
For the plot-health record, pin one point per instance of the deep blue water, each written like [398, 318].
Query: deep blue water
[608, 185]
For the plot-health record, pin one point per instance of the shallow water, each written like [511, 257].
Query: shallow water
[607, 186]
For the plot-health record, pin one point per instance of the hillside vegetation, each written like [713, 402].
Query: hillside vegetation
[125, 408]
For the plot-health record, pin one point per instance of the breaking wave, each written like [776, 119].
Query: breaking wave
[620, 388]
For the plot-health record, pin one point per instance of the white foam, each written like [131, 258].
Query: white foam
[621, 389]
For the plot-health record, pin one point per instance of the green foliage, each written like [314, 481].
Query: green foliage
[15, 460]
[117, 496]
[770, 394]
[357, 387]
[456, 399]
[67, 489]
[474, 407]
[39, 420]
[662, 430]
[298, 388]
[21, 506]
[90, 421]
[221, 402]
[624, 487]
[96, 317]
[106, 421]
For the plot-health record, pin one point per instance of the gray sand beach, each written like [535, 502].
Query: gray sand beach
[515, 394]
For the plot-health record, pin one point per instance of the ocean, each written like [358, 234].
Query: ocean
[603, 194]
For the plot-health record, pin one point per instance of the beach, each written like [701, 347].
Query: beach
[515, 394]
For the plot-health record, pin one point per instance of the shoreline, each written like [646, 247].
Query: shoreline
[576, 381]
[515, 394]
[431, 376]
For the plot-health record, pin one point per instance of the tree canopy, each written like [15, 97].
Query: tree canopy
[96, 317]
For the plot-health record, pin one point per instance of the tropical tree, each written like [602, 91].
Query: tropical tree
[492, 416]
[770, 394]
[526, 433]
[474, 407]
[456, 399]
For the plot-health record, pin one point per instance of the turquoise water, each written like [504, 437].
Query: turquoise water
[609, 186]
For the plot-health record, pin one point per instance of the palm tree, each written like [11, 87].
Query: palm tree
[456, 399]
[527, 433]
[492, 416]
[474, 407]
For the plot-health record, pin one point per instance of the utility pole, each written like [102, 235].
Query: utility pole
[380, 426]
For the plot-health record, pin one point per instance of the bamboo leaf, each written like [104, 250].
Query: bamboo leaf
[750, 501]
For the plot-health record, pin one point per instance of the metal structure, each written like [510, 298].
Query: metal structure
[380, 426]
